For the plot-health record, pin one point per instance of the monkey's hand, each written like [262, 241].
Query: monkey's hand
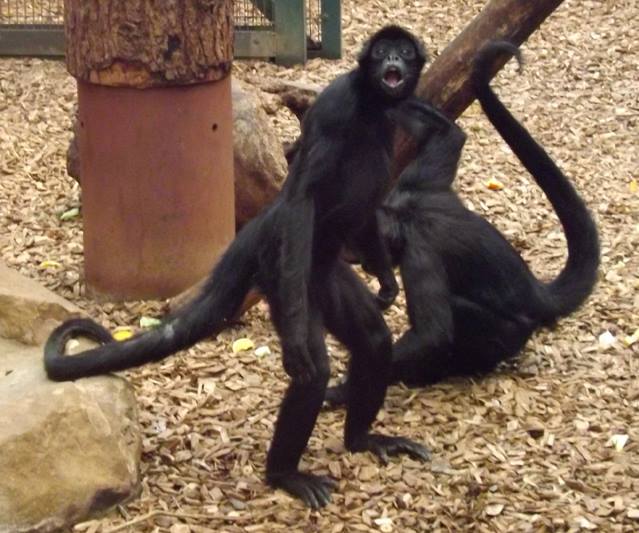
[387, 293]
[383, 446]
[419, 119]
[336, 395]
[297, 361]
[314, 491]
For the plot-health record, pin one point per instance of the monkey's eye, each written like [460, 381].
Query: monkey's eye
[380, 49]
[407, 51]
[379, 52]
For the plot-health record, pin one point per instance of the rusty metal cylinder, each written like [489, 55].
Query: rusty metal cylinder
[157, 185]
[154, 140]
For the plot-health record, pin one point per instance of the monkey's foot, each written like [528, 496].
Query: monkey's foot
[314, 491]
[383, 446]
[386, 296]
[336, 396]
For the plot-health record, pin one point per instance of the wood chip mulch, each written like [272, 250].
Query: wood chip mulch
[538, 446]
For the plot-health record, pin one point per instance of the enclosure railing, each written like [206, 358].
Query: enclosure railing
[287, 31]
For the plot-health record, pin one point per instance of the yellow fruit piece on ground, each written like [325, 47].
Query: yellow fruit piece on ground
[242, 345]
[122, 334]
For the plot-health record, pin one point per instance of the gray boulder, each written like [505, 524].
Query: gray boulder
[28, 311]
[67, 450]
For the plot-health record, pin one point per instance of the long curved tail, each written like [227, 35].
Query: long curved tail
[217, 302]
[578, 277]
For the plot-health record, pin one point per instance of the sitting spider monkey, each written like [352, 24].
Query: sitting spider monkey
[291, 253]
[472, 300]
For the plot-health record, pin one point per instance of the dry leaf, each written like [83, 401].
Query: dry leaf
[48, 263]
[70, 213]
[262, 351]
[607, 339]
[494, 509]
[629, 340]
[618, 441]
[149, 322]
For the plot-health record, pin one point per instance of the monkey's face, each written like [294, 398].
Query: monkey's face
[393, 59]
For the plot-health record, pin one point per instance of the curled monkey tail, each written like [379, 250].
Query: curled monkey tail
[578, 277]
[218, 301]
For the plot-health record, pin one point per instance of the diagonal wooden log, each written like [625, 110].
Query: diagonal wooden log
[446, 84]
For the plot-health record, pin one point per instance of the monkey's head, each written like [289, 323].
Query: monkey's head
[392, 60]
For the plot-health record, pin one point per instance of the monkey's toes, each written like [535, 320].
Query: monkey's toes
[314, 491]
[384, 446]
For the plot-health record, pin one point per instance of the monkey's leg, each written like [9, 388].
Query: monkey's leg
[351, 314]
[295, 422]
[481, 340]
[484, 338]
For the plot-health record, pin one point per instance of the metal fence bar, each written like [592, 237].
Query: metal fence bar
[30, 40]
[331, 29]
[290, 27]
[284, 30]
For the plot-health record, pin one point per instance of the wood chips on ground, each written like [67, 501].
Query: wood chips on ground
[538, 446]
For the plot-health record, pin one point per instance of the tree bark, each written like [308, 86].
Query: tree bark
[138, 44]
[446, 84]
[156, 164]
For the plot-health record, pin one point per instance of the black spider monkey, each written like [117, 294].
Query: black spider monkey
[472, 300]
[290, 252]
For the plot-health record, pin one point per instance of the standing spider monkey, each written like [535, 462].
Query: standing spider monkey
[472, 300]
[290, 252]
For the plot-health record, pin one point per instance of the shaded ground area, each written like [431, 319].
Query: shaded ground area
[526, 449]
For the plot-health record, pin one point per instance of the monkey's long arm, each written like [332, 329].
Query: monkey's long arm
[297, 220]
[376, 260]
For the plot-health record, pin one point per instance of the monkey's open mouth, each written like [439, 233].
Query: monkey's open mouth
[393, 78]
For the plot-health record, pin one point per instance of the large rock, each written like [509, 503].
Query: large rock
[67, 450]
[260, 165]
[259, 162]
[28, 311]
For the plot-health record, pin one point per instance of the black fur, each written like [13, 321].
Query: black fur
[336, 181]
[472, 300]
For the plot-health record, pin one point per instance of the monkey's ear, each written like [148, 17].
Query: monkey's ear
[421, 49]
[364, 53]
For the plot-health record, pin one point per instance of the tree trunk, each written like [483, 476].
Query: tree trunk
[145, 44]
[446, 84]
[156, 163]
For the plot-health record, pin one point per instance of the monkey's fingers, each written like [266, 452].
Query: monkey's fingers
[299, 365]
[314, 491]
[383, 446]
[386, 296]
[336, 396]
